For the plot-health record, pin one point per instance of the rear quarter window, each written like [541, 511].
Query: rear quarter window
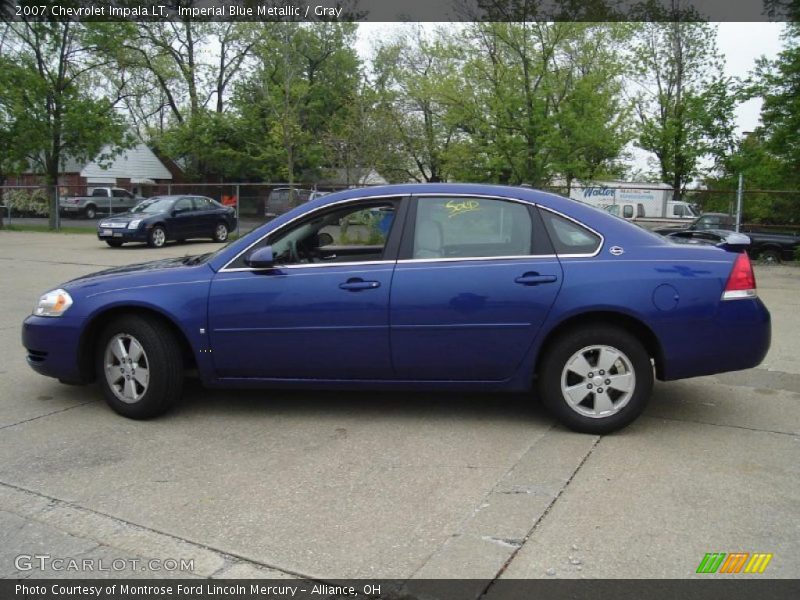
[569, 237]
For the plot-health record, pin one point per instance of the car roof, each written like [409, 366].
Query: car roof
[615, 229]
[177, 197]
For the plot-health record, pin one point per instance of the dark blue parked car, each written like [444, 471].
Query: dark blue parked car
[163, 218]
[436, 286]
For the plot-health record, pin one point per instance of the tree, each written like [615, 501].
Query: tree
[685, 101]
[306, 77]
[591, 116]
[778, 82]
[541, 100]
[48, 69]
[416, 82]
[179, 76]
[769, 158]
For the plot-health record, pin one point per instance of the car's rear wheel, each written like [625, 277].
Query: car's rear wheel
[139, 366]
[114, 243]
[157, 237]
[90, 212]
[770, 256]
[596, 380]
[220, 232]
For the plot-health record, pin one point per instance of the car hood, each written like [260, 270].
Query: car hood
[141, 268]
[126, 217]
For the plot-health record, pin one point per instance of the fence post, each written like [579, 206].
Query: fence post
[169, 189]
[739, 194]
[238, 212]
[58, 208]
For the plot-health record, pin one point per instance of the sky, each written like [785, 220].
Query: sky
[740, 43]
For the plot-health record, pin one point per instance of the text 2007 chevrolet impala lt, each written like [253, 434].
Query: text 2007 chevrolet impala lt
[425, 286]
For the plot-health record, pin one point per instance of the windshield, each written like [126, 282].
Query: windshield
[153, 206]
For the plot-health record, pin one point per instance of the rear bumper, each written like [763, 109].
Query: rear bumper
[738, 337]
[52, 346]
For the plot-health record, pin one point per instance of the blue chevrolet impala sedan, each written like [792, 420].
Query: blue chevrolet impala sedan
[425, 286]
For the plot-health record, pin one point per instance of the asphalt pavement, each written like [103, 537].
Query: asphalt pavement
[393, 485]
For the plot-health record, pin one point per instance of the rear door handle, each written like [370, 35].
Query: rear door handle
[356, 285]
[535, 279]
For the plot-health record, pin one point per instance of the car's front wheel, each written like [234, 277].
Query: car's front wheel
[114, 243]
[596, 379]
[220, 232]
[139, 366]
[157, 237]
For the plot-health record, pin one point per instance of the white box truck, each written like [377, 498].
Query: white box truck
[633, 200]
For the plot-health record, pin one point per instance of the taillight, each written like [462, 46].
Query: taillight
[742, 280]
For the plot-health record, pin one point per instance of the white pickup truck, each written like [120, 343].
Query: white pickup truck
[100, 201]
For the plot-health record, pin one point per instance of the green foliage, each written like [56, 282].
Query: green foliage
[45, 75]
[769, 158]
[304, 81]
[23, 202]
[685, 106]
[778, 82]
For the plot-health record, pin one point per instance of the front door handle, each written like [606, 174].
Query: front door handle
[535, 279]
[356, 285]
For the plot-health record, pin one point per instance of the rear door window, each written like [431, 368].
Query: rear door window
[471, 228]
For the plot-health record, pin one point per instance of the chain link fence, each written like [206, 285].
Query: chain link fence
[257, 203]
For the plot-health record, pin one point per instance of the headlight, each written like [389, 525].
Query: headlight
[134, 224]
[104, 224]
[53, 304]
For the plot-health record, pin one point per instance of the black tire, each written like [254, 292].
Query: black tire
[156, 239]
[622, 410]
[114, 243]
[770, 255]
[218, 235]
[90, 212]
[162, 358]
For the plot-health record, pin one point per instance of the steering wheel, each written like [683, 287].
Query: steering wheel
[294, 255]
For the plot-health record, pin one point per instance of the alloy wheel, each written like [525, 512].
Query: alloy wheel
[127, 369]
[598, 381]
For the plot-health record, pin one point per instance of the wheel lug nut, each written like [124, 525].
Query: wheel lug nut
[602, 372]
[599, 390]
[591, 374]
[608, 382]
[589, 386]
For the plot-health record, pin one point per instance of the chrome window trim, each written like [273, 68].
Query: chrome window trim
[225, 268]
[518, 201]
[313, 265]
[475, 258]
[581, 224]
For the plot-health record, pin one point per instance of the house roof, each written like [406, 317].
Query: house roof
[139, 164]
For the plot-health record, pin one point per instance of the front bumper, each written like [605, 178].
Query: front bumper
[52, 346]
[122, 235]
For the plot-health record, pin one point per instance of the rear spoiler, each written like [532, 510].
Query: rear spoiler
[736, 242]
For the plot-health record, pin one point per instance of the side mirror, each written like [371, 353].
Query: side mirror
[262, 258]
